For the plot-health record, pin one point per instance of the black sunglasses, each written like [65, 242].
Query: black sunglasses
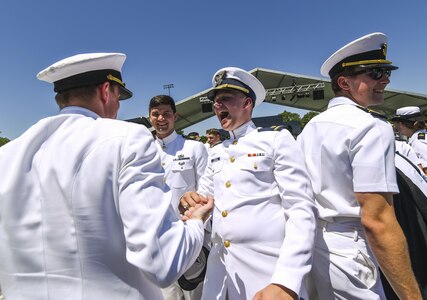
[374, 73]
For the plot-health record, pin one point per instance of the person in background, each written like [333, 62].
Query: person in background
[213, 138]
[353, 177]
[409, 122]
[184, 162]
[84, 211]
[193, 136]
[264, 218]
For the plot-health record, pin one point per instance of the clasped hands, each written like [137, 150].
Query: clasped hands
[195, 206]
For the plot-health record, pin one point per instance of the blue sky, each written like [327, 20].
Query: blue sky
[185, 42]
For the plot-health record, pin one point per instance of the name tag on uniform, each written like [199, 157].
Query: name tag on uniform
[215, 159]
[181, 157]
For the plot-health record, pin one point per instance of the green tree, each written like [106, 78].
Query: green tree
[3, 140]
[288, 116]
[307, 117]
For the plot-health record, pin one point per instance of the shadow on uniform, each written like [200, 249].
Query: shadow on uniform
[411, 212]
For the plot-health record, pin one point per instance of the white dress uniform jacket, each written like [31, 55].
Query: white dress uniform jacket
[84, 213]
[184, 162]
[264, 215]
[418, 141]
[347, 150]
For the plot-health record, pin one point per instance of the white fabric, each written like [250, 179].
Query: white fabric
[184, 162]
[343, 264]
[420, 145]
[244, 77]
[347, 150]
[82, 63]
[84, 213]
[414, 174]
[406, 150]
[408, 110]
[369, 42]
[270, 218]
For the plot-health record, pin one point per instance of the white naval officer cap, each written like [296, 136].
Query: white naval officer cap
[232, 78]
[408, 113]
[85, 70]
[368, 51]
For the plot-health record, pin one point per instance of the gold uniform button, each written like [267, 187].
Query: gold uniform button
[224, 213]
[227, 184]
[227, 243]
[255, 166]
[232, 159]
[163, 164]
[234, 142]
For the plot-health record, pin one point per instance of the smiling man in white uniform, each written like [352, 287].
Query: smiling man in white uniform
[349, 154]
[184, 162]
[84, 211]
[264, 215]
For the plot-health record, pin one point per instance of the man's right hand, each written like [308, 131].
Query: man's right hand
[195, 206]
[190, 199]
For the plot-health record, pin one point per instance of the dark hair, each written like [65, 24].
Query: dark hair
[162, 100]
[347, 72]
[416, 125]
[212, 131]
[87, 92]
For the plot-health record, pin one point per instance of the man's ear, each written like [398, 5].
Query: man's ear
[249, 101]
[343, 83]
[104, 90]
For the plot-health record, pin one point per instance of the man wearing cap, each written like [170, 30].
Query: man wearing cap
[84, 210]
[184, 162]
[349, 154]
[409, 122]
[264, 215]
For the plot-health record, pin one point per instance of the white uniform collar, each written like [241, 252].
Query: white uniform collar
[167, 140]
[79, 110]
[340, 101]
[242, 130]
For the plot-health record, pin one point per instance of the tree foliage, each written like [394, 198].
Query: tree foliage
[307, 117]
[288, 116]
[3, 140]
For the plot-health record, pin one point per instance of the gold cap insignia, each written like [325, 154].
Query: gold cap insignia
[220, 77]
[384, 48]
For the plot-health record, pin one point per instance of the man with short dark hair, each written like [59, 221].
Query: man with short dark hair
[85, 213]
[349, 153]
[213, 138]
[184, 162]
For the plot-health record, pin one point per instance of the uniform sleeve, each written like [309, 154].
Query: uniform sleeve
[420, 149]
[371, 154]
[158, 243]
[206, 185]
[201, 162]
[298, 202]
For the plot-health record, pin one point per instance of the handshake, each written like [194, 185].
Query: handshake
[195, 206]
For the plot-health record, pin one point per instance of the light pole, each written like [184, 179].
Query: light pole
[169, 87]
